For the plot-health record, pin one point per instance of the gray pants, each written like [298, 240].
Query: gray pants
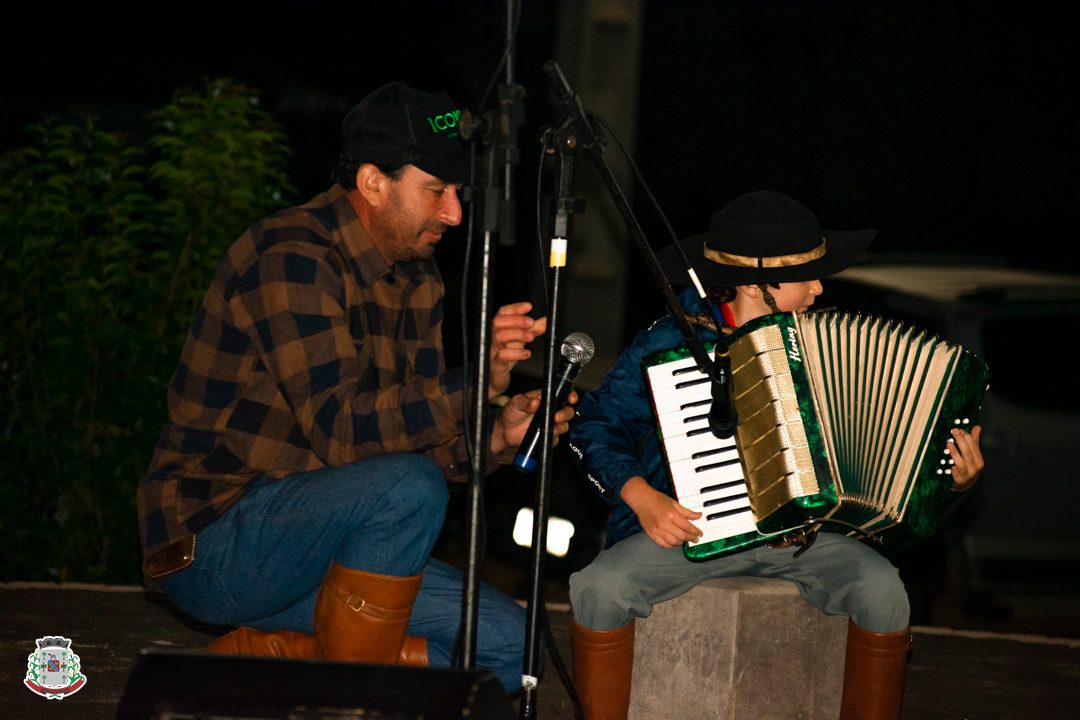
[838, 575]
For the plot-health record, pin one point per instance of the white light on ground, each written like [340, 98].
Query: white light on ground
[559, 532]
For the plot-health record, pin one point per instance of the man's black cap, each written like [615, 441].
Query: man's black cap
[398, 125]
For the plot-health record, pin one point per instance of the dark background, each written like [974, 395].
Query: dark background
[944, 125]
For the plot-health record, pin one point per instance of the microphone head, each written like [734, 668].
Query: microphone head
[578, 348]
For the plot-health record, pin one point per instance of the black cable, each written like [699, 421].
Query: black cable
[656, 205]
[560, 666]
[545, 138]
[516, 9]
[463, 307]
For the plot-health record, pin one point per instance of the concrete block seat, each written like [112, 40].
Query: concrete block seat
[738, 648]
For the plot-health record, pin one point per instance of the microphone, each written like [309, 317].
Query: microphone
[511, 117]
[722, 416]
[571, 105]
[577, 349]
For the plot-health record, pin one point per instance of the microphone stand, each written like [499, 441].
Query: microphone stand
[511, 117]
[565, 143]
[590, 141]
[469, 607]
[498, 135]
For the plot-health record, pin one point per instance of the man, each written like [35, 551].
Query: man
[763, 253]
[299, 485]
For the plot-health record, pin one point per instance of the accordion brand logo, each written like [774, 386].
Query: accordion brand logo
[793, 345]
[53, 670]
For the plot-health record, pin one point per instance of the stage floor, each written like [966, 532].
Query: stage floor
[953, 673]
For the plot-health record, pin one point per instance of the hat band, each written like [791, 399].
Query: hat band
[773, 261]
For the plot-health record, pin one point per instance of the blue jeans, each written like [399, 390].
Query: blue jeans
[261, 563]
[837, 574]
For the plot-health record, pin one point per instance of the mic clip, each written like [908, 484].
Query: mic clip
[722, 415]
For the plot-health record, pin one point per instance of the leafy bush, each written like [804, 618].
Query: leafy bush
[106, 248]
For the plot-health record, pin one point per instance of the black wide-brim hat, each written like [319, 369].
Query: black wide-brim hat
[763, 237]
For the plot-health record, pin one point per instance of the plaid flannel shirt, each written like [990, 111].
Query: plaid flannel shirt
[308, 351]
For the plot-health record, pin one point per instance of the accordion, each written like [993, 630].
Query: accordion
[843, 421]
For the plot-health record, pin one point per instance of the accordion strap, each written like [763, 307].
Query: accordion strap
[803, 536]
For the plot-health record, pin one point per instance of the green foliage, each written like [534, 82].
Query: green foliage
[106, 247]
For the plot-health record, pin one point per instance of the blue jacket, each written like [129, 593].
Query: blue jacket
[614, 436]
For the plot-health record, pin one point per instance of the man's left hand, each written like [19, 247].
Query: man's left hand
[511, 330]
[967, 458]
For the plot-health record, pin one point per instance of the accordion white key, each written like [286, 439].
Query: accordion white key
[843, 421]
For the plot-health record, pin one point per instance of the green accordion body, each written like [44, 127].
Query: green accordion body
[843, 421]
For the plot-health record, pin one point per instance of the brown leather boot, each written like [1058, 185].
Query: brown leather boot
[282, 643]
[414, 651]
[603, 663]
[290, 644]
[874, 674]
[362, 616]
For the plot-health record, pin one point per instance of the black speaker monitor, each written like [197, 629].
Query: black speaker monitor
[181, 684]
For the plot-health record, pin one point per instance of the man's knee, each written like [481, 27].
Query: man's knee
[423, 478]
[419, 486]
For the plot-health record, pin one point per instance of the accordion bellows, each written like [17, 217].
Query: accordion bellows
[843, 420]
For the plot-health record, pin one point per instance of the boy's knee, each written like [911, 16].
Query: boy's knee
[596, 600]
[882, 604]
